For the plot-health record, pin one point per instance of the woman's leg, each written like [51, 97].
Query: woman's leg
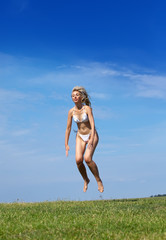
[80, 149]
[92, 165]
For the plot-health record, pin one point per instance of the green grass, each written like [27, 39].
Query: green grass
[143, 219]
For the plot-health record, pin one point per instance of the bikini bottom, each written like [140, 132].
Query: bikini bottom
[84, 137]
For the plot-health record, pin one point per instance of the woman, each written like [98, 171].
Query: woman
[87, 135]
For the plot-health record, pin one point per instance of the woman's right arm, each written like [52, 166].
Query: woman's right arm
[68, 129]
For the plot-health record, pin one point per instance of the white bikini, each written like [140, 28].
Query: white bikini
[84, 137]
[84, 118]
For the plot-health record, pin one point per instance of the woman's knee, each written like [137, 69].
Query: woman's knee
[79, 160]
[87, 158]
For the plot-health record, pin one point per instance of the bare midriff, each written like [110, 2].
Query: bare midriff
[84, 128]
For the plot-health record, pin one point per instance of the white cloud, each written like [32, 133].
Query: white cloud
[151, 93]
[14, 97]
[148, 85]
[21, 132]
[95, 75]
[99, 95]
[102, 112]
[98, 78]
[58, 96]
[11, 95]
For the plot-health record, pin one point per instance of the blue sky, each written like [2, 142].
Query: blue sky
[116, 50]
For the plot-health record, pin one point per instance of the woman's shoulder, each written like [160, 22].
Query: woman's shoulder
[87, 108]
[70, 112]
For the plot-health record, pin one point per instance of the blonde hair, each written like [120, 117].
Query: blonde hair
[84, 94]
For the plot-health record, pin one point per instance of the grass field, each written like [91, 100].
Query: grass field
[143, 219]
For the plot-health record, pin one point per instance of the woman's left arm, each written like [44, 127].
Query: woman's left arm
[92, 124]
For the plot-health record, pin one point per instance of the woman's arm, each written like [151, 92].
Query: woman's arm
[68, 129]
[92, 124]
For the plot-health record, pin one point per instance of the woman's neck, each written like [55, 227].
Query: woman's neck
[78, 106]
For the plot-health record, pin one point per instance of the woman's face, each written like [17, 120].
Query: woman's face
[76, 96]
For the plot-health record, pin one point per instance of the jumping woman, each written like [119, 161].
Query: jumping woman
[87, 135]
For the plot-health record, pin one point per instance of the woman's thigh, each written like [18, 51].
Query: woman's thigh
[80, 149]
[90, 151]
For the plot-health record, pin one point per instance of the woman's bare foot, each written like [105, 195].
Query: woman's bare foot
[100, 186]
[86, 185]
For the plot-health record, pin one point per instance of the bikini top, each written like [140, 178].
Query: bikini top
[84, 116]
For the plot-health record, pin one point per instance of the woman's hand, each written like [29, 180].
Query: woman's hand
[67, 150]
[90, 144]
